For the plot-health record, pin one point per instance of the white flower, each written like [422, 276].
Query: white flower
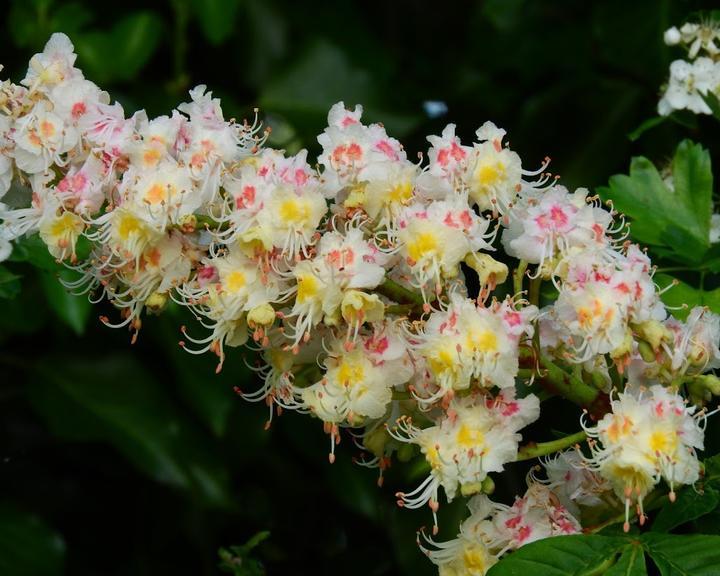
[53, 65]
[542, 226]
[687, 83]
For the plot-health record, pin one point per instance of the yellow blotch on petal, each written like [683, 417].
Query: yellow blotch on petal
[422, 244]
[235, 281]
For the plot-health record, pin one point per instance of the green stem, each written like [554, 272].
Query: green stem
[518, 276]
[399, 293]
[568, 385]
[525, 372]
[399, 309]
[534, 450]
[534, 291]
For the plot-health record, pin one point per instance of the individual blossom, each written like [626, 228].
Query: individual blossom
[289, 210]
[573, 481]
[543, 227]
[357, 384]
[694, 347]
[52, 66]
[536, 515]
[434, 239]
[228, 288]
[469, 343]
[477, 547]
[447, 165]
[601, 296]
[350, 148]
[688, 83]
[163, 266]
[492, 529]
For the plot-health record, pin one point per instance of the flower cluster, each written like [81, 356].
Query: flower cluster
[375, 290]
[492, 529]
[692, 80]
[650, 434]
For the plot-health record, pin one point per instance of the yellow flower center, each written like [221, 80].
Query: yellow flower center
[423, 244]
[235, 281]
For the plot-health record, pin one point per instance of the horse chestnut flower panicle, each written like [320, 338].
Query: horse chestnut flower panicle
[370, 288]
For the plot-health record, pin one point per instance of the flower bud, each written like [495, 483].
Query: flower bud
[646, 351]
[470, 488]
[672, 36]
[156, 302]
[624, 348]
[488, 269]
[376, 440]
[709, 382]
[654, 332]
[262, 315]
[360, 307]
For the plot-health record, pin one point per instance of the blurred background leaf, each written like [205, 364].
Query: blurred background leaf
[28, 547]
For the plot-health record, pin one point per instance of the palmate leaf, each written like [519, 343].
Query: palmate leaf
[631, 561]
[677, 220]
[561, 556]
[674, 555]
[595, 555]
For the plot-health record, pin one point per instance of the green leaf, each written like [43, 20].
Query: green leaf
[576, 555]
[713, 103]
[73, 310]
[217, 18]
[674, 555]
[28, 22]
[682, 297]
[9, 283]
[33, 250]
[121, 52]
[688, 506]
[320, 77]
[503, 14]
[113, 399]
[210, 395]
[28, 547]
[677, 220]
[630, 563]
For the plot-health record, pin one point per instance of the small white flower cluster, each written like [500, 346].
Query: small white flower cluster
[697, 76]
[366, 284]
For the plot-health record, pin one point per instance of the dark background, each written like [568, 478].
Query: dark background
[134, 460]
